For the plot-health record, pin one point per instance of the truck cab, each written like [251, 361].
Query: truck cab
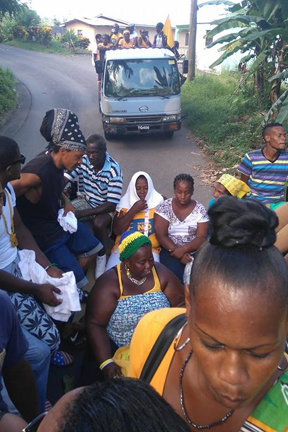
[140, 92]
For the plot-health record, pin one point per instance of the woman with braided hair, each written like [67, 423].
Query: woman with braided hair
[181, 225]
[226, 366]
[124, 294]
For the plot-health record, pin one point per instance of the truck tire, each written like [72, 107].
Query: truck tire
[108, 136]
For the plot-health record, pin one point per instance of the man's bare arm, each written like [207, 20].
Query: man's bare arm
[25, 183]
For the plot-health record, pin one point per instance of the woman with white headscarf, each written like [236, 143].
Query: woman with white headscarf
[135, 212]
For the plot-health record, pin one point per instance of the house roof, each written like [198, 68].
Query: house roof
[102, 20]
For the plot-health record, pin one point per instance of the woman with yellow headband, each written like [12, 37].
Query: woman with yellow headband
[124, 294]
[229, 185]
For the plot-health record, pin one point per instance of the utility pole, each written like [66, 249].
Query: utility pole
[192, 41]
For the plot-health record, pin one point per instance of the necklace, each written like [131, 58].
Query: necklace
[135, 281]
[199, 427]
[12, 235]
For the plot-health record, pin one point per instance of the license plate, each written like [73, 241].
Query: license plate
[144, 127]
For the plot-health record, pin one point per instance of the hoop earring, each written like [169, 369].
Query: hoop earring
[177, 338]
[282, 369]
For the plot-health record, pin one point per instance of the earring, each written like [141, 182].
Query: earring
[282, 369]
[127, 271]
[177, 338]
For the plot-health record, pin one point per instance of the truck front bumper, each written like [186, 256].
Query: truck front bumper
[141, 128]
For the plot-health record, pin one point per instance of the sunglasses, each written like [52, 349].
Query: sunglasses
[33, 426]
[21, 160]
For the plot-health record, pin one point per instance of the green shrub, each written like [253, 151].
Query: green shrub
[226, 117]
[8, 95]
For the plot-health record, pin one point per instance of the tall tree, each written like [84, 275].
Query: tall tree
[8, 6]
[258, 29]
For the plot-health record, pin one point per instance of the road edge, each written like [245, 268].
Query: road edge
[14, 120]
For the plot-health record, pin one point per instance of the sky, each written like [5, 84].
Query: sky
[150, 12]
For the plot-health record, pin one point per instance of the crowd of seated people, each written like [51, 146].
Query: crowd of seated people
[227, 325]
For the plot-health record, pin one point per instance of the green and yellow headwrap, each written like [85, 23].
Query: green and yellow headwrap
[130, 242]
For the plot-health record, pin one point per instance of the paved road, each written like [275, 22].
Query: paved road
[47, 81]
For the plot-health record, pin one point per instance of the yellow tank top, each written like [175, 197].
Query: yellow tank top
[156, 287]
[138, 224]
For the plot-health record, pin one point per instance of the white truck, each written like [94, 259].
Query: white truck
[140, 92]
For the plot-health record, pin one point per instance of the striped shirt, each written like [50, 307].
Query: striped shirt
[266, 179]
[101, 187]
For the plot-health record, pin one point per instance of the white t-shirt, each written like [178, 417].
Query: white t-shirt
[7, 252]
[182, 232]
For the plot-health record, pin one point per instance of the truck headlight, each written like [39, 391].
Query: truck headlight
[173, 117]
[117, 120]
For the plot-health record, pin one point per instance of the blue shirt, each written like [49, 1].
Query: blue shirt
[266, 179]
[101, 187]
[13, 344]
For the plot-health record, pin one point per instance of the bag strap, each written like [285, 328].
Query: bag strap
[160, 347]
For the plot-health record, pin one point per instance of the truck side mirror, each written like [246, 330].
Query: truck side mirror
[185, 67]
[99, 66]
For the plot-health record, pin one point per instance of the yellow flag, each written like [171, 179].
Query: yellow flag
[167, 30]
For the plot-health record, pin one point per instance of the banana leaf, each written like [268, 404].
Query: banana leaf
[283, 75]
[216, 3]
[260, 58]
[227, 54]
[276, 107]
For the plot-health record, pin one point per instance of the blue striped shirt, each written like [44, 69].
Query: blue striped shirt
[101, 187]
[266, 179]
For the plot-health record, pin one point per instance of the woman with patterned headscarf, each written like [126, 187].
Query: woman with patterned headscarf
[39, 192]
[125, 293]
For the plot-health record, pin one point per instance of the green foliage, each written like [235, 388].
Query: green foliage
[226, 117]
[8, 6]
[70, 38]
[27, 17]
[55, 47]
[8, 95]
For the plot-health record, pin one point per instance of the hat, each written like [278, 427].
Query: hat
[130, 242]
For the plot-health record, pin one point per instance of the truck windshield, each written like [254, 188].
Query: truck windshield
[141, 77]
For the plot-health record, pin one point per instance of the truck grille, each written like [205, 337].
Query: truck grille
[137, 120]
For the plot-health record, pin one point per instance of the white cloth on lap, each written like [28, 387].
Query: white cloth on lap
[68, 222]
[32, 271]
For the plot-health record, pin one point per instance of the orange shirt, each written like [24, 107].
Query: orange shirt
[125, 44]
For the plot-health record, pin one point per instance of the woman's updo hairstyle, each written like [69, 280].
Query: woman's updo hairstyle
[234, 223]
[240, 252]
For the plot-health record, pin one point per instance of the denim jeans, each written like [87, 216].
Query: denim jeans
[38, 356]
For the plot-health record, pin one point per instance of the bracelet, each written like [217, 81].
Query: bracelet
[105, 363]
[50, 265]
[66, 201]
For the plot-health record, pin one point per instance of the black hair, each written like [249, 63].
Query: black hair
[120, 405]
[183, 178]
[98, 36]
[176, 44]
[97, 139]
[160, 25]
[106, 36]
[268, 126]
[8, 151]
[240, 250]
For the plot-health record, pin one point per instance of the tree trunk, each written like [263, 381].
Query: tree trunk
[192, 41]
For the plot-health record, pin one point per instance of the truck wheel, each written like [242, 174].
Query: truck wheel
[169, 134]
[108, 136]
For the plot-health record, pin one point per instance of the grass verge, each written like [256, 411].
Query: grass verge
[8, 96]
[54, 48]
[227, 119]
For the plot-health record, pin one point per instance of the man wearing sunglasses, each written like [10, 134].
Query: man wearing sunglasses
[40, 331]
